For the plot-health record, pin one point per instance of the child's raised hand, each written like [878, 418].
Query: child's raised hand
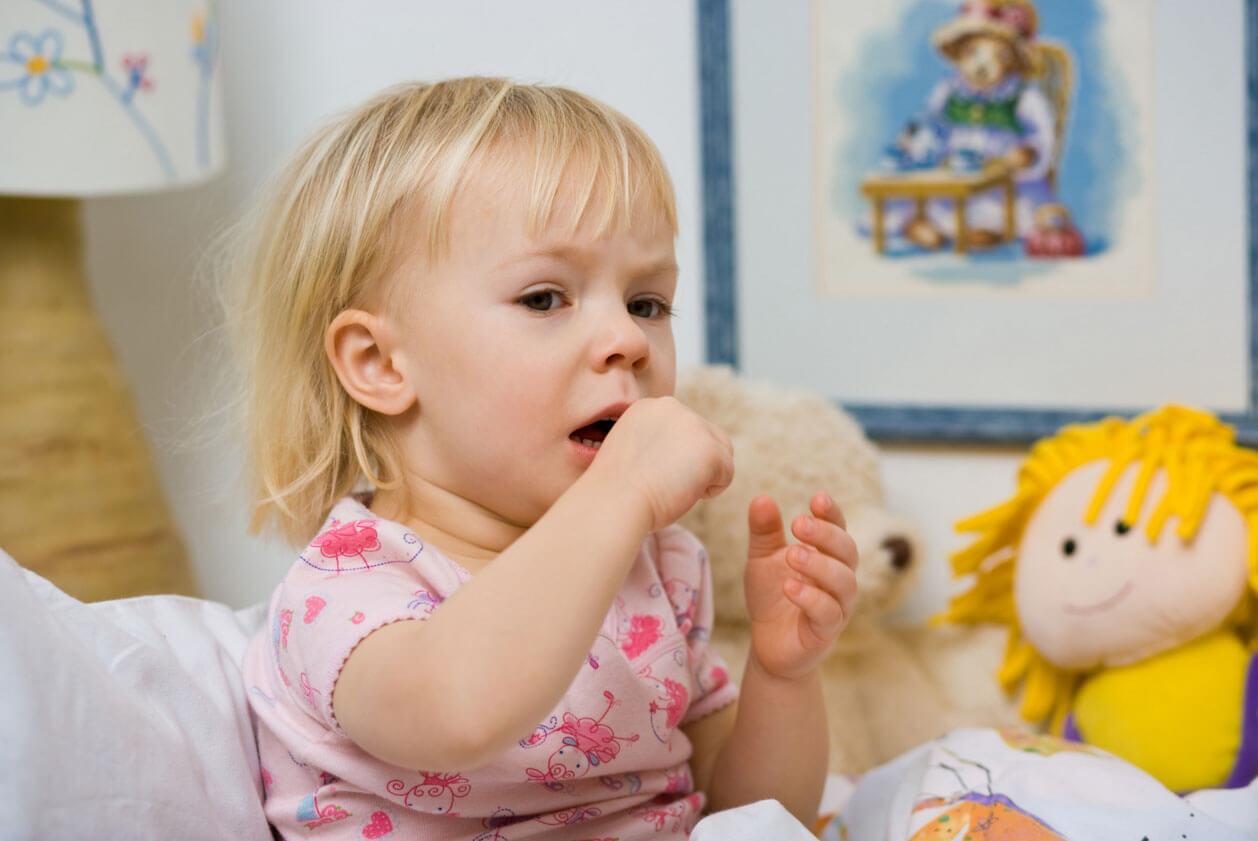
[669, 455]
[799, 596]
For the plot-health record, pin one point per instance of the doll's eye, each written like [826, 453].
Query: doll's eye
[1121, 528]
[1068, 546]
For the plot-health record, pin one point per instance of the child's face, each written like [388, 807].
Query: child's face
[1098, 594]
[512, 342]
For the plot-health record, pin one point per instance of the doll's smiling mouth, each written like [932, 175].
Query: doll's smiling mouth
[1084, 610]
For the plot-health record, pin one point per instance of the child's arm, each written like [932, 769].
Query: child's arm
[458, 689]
[451, 692]
[777, 745]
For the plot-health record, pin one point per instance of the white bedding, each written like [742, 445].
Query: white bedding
[128, 719]
[123, 719]
[985, 784]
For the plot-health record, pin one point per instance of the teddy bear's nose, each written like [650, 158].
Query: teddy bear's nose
[901, 552]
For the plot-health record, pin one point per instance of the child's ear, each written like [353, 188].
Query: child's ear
[366, 358]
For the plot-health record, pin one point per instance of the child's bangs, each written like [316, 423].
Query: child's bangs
[598, 176]
[586, 164]
[583, 164]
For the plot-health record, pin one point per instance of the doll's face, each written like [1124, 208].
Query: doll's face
[984, 61]
[1090, 595]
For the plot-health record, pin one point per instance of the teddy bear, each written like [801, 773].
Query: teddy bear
[887, 688]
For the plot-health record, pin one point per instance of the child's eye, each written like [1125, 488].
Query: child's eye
[536, 301]
[662, 309]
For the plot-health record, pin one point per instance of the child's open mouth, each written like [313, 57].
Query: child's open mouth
[593, 435]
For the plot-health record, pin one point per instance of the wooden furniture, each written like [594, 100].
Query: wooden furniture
[80, 502]
[1055, 75]
[939, 183]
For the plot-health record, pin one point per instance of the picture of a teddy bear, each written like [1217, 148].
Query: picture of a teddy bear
[1002, 102]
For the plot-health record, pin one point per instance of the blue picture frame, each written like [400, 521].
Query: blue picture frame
[888, 422]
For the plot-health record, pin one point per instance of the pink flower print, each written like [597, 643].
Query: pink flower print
[635, 782]
[587, 743]
[424, 601]
[313, 815]
[644, 630]
[540, 733]
[679, 783]
[662, 810]
[379, 826]
[593, 737]
[678, 697]
[314, 605]
[570, 816]
[685, 601]
[267, 780]
[719, 678]
[670, 704]
[329, 814]
[309, 691]
[442, 788]
[281, 622]
[347, 540]
[357, 618]
[674, 705]
[286, 622]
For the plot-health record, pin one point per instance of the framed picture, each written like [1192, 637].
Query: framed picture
[983, 219]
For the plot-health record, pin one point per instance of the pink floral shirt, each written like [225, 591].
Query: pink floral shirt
[609, 762]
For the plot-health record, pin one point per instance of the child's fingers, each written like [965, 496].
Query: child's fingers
[832, 577]
[827, 537]
[825, 614]
[823, 505]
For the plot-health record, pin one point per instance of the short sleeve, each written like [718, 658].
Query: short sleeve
[338, 593]
[687, 578]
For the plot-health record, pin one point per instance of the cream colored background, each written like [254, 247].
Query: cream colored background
[976, 347]
[287, 66]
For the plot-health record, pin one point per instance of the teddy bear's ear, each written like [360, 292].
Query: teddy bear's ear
[715, 392]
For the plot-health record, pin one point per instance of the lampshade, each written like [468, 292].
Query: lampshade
[96, 97]
[107, 96]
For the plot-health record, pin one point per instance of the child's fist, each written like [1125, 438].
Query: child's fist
[667, 454]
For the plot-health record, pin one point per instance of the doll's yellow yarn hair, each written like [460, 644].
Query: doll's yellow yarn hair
[1200, 456]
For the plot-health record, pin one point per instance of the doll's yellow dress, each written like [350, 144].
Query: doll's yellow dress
[1188, 716]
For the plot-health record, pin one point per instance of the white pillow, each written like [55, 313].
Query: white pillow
[124, 719]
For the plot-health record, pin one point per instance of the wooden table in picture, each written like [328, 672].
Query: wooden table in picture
[925, 184]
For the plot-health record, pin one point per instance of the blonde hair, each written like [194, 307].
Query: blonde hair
[1200, 457]
[321, 241]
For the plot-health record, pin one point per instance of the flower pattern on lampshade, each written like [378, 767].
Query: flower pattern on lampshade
[64, 64]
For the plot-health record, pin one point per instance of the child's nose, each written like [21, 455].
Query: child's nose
[622, 343]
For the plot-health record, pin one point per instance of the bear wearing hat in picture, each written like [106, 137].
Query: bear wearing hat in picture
[990, 107]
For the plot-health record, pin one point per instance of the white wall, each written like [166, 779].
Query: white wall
[289, 65]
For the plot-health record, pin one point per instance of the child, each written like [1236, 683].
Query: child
[460, 295]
